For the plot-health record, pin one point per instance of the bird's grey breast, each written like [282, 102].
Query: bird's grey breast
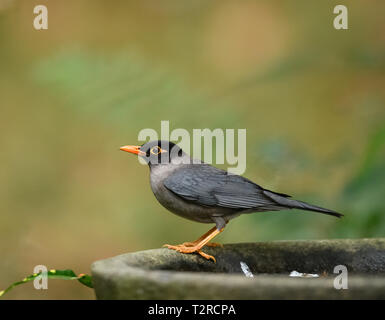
[176, 204]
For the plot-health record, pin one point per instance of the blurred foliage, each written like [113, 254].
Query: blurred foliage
[310, 97]
[118, 87]
[365, 191]
[52, 274]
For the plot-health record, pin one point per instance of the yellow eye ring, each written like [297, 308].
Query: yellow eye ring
[155, 150]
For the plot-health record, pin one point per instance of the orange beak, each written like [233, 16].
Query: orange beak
[133, 149]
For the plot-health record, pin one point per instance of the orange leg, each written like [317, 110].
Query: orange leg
[194, 243]
[196, 246]
[214, 244]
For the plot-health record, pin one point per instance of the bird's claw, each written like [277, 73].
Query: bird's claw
[206, 256]
[182, 248]
[188, 244]
[214, 244]
[193, 244]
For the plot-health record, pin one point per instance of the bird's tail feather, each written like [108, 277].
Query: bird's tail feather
[309, 207]
[296, 204]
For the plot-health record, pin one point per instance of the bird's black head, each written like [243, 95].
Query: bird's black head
[156, 152]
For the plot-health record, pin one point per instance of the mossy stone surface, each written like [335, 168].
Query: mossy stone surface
[166, 274]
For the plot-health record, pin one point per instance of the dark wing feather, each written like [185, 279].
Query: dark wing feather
[210, 186]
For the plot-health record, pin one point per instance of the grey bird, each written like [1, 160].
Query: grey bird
[200, 192]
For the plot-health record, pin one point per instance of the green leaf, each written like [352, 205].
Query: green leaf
[68, 274]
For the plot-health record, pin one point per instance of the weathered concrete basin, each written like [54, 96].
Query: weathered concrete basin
[166, 274]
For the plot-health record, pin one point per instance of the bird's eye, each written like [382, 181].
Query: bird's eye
[155, 150]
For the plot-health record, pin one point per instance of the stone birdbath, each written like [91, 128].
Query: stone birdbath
[248, 271]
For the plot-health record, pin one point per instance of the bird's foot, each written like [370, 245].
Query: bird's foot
[182, 248]
[188, 244]
[214, 244]
[207, 256]
[193, 244]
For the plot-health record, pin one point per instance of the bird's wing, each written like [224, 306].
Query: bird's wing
[210, 186]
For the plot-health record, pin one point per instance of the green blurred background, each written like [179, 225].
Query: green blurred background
[311, 98]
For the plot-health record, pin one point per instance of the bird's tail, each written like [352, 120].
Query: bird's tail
[296, 204]
[309, 207]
